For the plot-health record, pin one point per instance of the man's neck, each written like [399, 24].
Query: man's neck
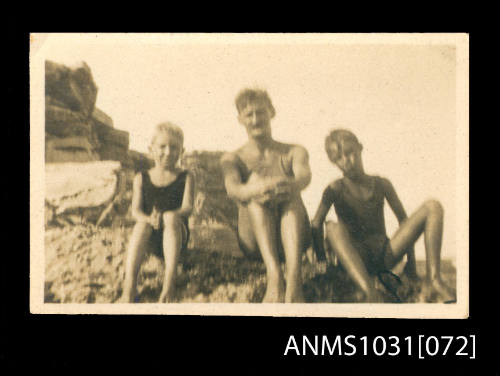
[261, 143]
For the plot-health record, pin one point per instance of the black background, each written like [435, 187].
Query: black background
[237, 345]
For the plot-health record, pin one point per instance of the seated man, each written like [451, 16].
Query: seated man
[265, 178]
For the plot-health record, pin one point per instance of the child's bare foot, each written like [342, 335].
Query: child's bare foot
[373, 296]
[437, 292]
[128, 296]
[444, 292]
[411, 273]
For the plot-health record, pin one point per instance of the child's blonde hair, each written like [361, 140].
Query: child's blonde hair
[170, 129]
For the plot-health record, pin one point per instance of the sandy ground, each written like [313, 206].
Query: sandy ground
[85, 264]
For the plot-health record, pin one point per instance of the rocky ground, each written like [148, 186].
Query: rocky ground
[85, 264]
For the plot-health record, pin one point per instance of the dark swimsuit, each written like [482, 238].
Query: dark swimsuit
[164, 199]
[364, 220]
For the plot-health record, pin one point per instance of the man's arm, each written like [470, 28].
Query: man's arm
[235, 188]
[301, 169]
[400, 213]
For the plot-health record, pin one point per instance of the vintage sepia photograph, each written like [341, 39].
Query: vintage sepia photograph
[250, 174]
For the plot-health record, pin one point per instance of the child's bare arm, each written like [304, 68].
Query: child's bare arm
[400, 213]
[317, 224]
[137, 212]
[188, 197]
[394, 201]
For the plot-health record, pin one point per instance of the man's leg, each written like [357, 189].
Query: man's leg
[246, 237]
[340, 241]
[263, 220]
[138, 244]
[295, 237]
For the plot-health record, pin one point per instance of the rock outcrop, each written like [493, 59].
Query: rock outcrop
[81, 188]
[75, 130]
[79, 192]
[214, 220]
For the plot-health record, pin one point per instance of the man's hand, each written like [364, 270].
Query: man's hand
[274, 189]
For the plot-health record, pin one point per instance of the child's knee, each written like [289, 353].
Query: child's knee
[171, 219]
[142, 228]
[434, 207]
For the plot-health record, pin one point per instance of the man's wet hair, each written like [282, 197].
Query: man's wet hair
[338, 137]
[252, 95]
[170, 129]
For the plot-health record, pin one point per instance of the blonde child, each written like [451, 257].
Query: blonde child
[162, 201]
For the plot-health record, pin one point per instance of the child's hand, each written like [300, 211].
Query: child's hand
[155, 219]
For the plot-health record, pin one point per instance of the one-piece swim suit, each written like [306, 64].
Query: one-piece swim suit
[364, 220]
[164, 198]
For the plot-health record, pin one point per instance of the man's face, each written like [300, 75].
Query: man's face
[256, 118]
[347, 157]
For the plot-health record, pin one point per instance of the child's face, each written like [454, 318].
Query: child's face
[166, 150]
[256, 118]
[347, 157]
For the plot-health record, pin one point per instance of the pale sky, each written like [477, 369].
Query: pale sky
[398, 99]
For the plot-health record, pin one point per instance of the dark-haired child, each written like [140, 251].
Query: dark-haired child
[359, 238]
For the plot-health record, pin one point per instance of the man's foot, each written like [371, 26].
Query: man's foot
[275, 292]
[167, 296]
[295, 296]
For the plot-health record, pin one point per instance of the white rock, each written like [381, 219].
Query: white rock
[80, 185]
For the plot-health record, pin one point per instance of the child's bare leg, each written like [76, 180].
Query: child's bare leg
[294, 236]
[429, 220]
[135, 254]
[172, 242]
[263, 221]
[340, 241]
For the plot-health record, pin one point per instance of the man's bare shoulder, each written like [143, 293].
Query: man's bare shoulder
[294, 150]
[231, 157]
